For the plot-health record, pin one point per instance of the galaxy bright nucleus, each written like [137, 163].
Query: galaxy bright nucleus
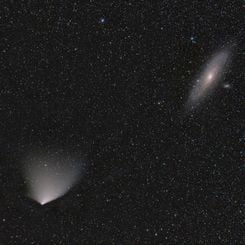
[209, 77]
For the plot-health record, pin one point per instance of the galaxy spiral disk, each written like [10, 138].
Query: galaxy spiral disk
[209, 78]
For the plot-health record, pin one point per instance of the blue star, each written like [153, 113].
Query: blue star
[102, 20]
[193, 39]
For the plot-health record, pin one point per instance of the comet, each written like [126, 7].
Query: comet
[50, 176]
[209, 78]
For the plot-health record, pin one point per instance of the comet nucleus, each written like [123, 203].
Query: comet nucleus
[209, 78]
[50, 176]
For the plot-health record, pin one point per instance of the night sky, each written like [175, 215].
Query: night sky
[102, 86]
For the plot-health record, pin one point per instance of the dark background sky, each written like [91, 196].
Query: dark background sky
[108, 80]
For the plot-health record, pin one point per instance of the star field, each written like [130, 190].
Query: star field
[95, 92]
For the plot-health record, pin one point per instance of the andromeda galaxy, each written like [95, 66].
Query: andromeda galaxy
[209, 78]
[49, 176]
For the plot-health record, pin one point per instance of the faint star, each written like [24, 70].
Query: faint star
[193, 39]
[102, 20]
